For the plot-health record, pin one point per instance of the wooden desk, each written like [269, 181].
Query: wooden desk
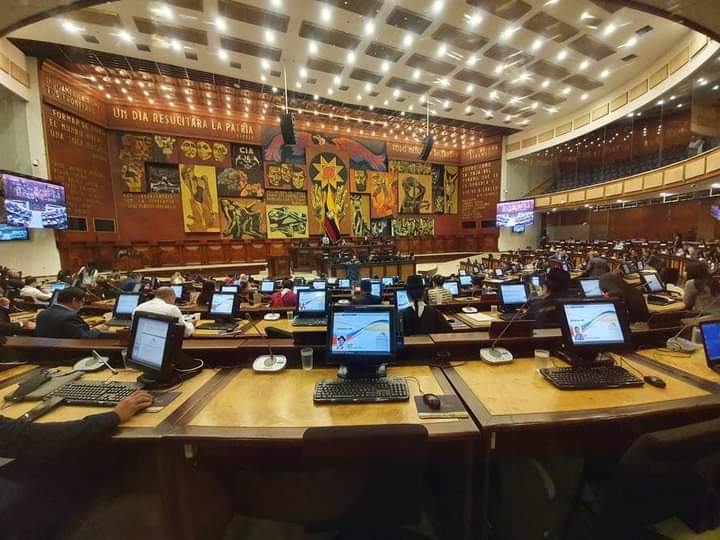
[692, 367]
[675, 306]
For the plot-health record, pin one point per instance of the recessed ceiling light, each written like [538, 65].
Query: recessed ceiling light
[562, 55]
[474, 19]
[609, 29]
[422, 99]
[123, 90]
[385, 66]
[151, 101]
[410, 108]
[70, 27]
[276, 3]
[220, 23]
[330, 91]
[384, 103]
[604, 74]
[446, 104]
[325, 14]
[493, 94]
[469, 88]
[534, 105]
[369, 28]
[407, 40]
[442, 49]
[537, 44]
[508, 32]
[584, 97]
[351, 57]
[499, 68]
[584, 65]
[566, 90]
[125, 36]
[165, 11]
[467, 110]
[396, 93]
[368, 87]
[303, 72]
[269, 36]
[108, 96]
[312, 47]
[222, 54]
[358, 97]
[716, 87]
[437, 6]
[444, 81]
[265, 64]
[546, 83]
[263, 78]
[472, 59]
[298, 85]
[416, 74]
[630, 42]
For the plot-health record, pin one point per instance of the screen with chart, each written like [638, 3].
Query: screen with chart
[361, 332]
[375, 288]
[311, 301]
[267, 286]
[653, 283]
[32, 203]
[513, 213]
[595, 323]
[222, 304]
[513, 294]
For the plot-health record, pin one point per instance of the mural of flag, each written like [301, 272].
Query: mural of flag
[331, 228]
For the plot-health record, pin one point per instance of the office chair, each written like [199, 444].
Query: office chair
[670, 275]
[675, 472]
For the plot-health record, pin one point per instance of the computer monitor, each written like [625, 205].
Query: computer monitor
[223, 305]
[452, 286]
[125, 304]
[178, 290]
[59, 286]
[462, 272]
[137, 287]
[593, 326]
[640, 265]
[361, 335]
[376, 288]
[499, 273]
[625, 268]
[653, 282]
[710, 331]
[513, 295]
[312, 302]
[535, 284]
[267, 286]
[234, 289]
[154, 348]
[344, 283]
[566, 267]
[319, 284]
[465, 280]
[402, 300]
[591, 287]
[332, 280]
[388, 281]
[298, 288]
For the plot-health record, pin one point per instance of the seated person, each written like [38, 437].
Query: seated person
[438, 294]
[31, 290]
[61, 320]
[164, 304]
[614, 286]
[596, 266]
[177, 279]
[544, 310]
[366, 298]
[421, 318]
[285, 297]
[208, 288]
[7, 327]
[128, 284]
[702, 291]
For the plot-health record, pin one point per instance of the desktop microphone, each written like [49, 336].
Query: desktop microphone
[265, 362]
[680, 344]
[500, 355]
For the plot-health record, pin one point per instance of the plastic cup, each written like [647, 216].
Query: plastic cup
[306, 357]
[289, 314]
[493, 309]
[542, 359]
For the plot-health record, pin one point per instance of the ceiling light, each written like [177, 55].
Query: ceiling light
[410, 108]
[469, 88]
[274, 89]
[467, 110]
[312, 47]
[70, 27]
[416, 74]
[359, 97]
[584, 97]
[604, 74]
[316, 97]
[442, 49]
[609, 29]
[562, 55]
[584, 65]
[566, 90]
[350, 57]
[546, 83]
[446, 104]
[298, 85]
[422, 99]
[534, 105]
[396, 93]
[369, 28]
[437, 6]
[222, 54]
[536, 44]
[716, 87]
[508, 32]
[325, 14]
[303, 72]
[123, 90]
[552, 110]
[263, 78]
[385, 66]
[472, 59]
[220, 23]
[125, 36]
[407, 40]
[444, 81]
[499, 68]
[165, 11]
[265, 64]
[630, 42]
[368, 87]
[152, 101]
[175, 44]
[269, 36]
[108, 96]
[661, 102]
[101, 87]
[276, 3]
[493, 94]
[330, 91]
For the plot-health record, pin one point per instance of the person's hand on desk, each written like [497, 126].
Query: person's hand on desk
[102, 328]
[29, 325]
[132, 405]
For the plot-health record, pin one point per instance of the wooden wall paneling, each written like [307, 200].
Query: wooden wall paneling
[426, 245]
[402, 245]
[215, 254]
[277, 248]
[145, 255]
[377, 270]
[235, 253]
[194, 254]
[170, 254]
[105, 256]
[364, 271]
[406, 270]
[256, 251]
[392, 269]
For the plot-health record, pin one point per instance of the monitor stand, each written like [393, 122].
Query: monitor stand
[362, 372]
[146, 383]
[576, 359]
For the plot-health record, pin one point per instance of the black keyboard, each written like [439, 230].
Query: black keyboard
[361, 390]
[588, 378]
[120, 322]
[227, 327]
[309, 321]
[94, 392]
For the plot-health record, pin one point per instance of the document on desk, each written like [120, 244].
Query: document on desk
[480, 317]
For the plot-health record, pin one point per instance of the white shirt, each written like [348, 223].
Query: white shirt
[161, 307]
[87, 278]
[420, 309]
[36, 294]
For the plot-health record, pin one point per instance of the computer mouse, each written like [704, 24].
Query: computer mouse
[432, 401]
[657, 382]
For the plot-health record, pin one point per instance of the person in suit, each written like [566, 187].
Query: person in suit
[421, 318]
[366, 298]
[61, 320]
[544, 310]
[596, 267]
[7, 327]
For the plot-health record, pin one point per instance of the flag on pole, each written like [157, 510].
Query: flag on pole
[331, 228]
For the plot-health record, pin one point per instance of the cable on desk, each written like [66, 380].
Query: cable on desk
[411, 377]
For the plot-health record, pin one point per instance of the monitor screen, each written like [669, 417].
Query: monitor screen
[499, 272]
[512, 213]
[230, 289]
[126, 304]
[711, 338]
[591, 288]
[13, 233]
[344, 283]
[376, 288]
[465, 280]
[59, 286]
[298, 288]
[452, 286]
[536, 283]
[388, 281]
[518, 229]
[593, 323]
[513, 294]
[178, 290]
[361, 333]
[311, 301]
[332, 280]
[319, 285]
[34, 203]
[148, 348]
[654, 283]
[640, 265]
[402, 300]
[267, 286]
[221, 304]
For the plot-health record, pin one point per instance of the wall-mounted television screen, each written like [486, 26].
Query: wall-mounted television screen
[33, 203]
[13, 233]
[512, 213]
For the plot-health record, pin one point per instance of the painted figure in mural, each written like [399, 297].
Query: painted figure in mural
[359, 226]
[203, 218]
[414, 194]
[241, 220]
[450, 192]
[287, 222]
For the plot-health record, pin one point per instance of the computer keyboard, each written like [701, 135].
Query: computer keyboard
[308, 321]
[94, 392]
[588, 378]
[361, 390]
[120, 322]
[227, 327]
[660, 299]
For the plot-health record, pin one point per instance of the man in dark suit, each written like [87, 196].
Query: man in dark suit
[61, 320]
[366, 298]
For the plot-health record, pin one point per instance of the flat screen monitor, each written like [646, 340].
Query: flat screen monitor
[625, 269]
[230, 288]
[402, 300]
[465, 280]
[452, 286]
[178, 290]
[155, 343]
[591, 288]
[513, 294]
[535, 283]
[312, 301]
[499, 272]
[8, 233]
[640, 265]
[319, 284]
[344, 283]
[332, 280]
[362, 334]
[594, 324]
[33, 203]
[513, 213]
[59, 286]
[710, 331]
[222, 305]
[267, 286]
[125, 304]
[376, 288]
[654, 283]
[462, 272]
[298, 288]
[388, 281]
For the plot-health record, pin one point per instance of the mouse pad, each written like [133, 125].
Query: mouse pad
[450, 407]
[161, 400]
